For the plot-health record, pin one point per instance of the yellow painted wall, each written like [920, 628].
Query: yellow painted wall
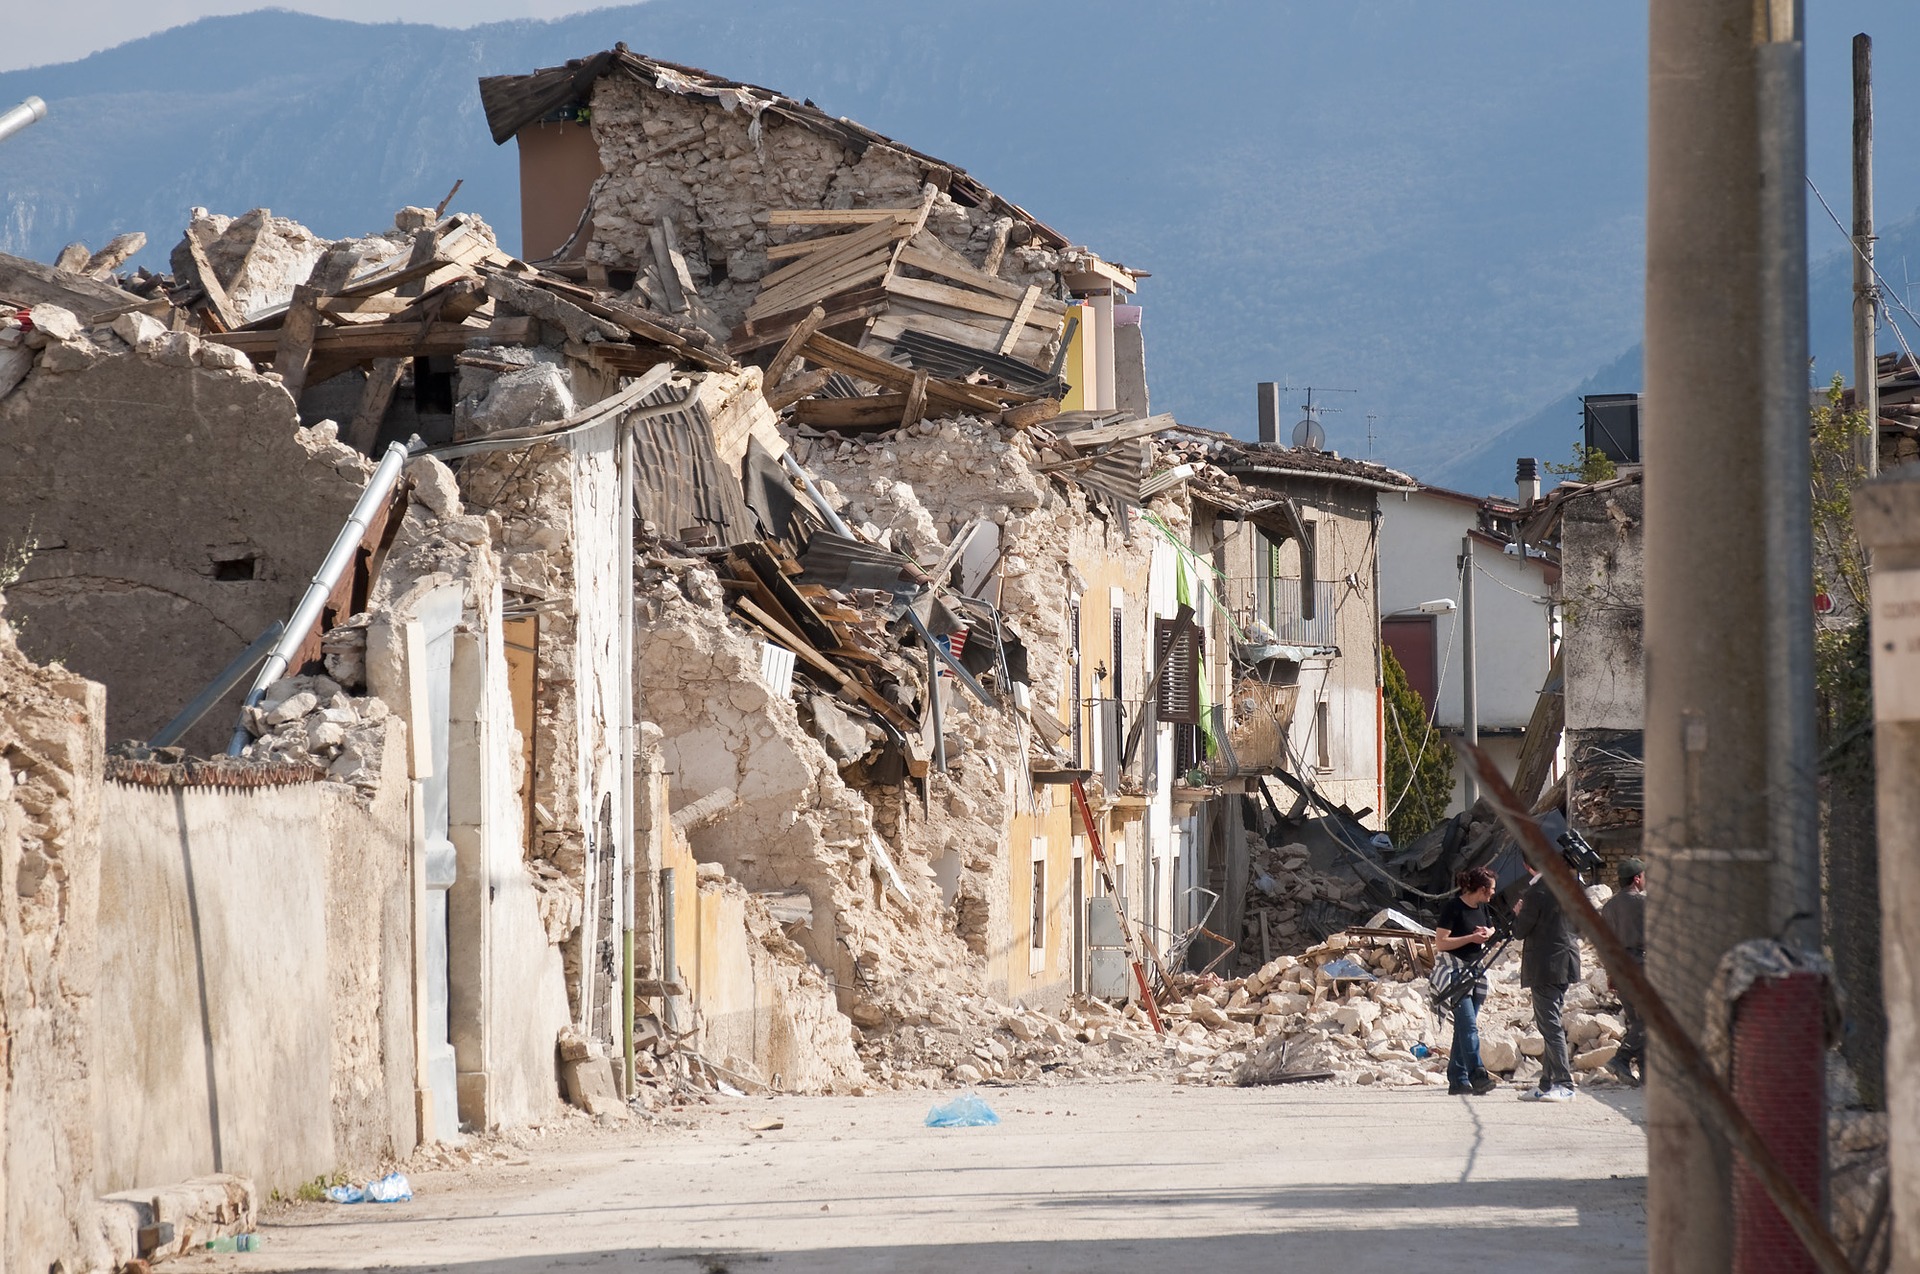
[1050, 814]
[1078, 368]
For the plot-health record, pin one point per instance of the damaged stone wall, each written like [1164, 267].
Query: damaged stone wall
[715, 174]
[790, 823]
[51, 746]
[1602, 565]
[146, 583]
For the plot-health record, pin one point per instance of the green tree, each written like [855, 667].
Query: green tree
[1590, 464]
[1419, 763]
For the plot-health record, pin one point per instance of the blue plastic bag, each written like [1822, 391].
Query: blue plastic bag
[964, 1111]
[392, 1188]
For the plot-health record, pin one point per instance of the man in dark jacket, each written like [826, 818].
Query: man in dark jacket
[1549, 964]
[1626, 914]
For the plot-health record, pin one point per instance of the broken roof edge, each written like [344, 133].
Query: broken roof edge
[511, 102]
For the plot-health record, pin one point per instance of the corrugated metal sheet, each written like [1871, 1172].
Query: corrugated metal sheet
[954, 361]
[678, 480]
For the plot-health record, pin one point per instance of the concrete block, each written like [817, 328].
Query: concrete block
[138, 329]
[590, 1085]
[57, 322]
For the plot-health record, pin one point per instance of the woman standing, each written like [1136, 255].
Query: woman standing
[1462, 932]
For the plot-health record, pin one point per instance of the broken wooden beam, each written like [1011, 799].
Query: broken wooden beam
[805, 385]
[366, 341]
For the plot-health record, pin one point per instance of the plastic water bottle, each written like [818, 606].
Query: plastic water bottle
[237, 1243]
[1421, 1051]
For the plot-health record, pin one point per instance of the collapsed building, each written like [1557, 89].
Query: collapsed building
[764, 639]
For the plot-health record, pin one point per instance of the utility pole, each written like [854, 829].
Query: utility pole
[1729, 766]
[1866, 293]
[1469, 666]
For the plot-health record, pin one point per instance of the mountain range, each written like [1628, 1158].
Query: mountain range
[1439, 207]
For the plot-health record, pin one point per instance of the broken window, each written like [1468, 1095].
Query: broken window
[1179, 662]
[1322, 726]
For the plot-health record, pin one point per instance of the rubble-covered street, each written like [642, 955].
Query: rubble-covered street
[1123, 1177]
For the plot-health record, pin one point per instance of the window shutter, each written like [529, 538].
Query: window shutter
[1179, 696]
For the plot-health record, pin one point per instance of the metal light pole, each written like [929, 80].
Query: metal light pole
[1469, 667]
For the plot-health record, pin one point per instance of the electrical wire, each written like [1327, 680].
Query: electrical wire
[1886, 288]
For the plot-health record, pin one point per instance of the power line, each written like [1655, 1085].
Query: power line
[1886, 288]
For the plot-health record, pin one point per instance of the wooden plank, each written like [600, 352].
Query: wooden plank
[210, 284]
[809, 289]
[375, 397]
[823, 349]
[855, 245]
[1019, 322]
[796, 340]
[928, 196]
[294, 348]
[916, 406]
[997, 249]
[1027, 415]
[956, 329]
[1542, 739]
[790, 251]
[836, 216]
[926, 252]
[877, 411]
[805, 385]
[657, 238]
[1124, 431]
[385, 340]
[849, 306]
[677, 261]
[993, 306]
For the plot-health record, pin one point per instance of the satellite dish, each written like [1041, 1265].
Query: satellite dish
[1309, 434]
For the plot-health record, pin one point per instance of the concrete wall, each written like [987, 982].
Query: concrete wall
[1348, 682]
[50, 779]
[151, 490]
[255, 983]
[1602, 564]
[1514, 622]
[559, 163]
[1420, 535]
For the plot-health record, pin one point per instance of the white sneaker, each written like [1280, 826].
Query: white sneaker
[1560, 1092]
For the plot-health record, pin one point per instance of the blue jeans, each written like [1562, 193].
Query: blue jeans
[1463, 1063]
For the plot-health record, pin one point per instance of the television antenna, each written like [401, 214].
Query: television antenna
[1310, 434]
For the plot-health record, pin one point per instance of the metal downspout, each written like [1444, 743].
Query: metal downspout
[307, 613]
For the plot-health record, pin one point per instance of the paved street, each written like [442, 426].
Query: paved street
[1116, 1178]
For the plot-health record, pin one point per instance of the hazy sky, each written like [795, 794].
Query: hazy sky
[37, 34]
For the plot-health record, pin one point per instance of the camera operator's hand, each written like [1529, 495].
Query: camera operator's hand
[1483, 933]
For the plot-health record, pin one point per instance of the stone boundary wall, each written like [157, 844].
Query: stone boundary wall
[255, 965]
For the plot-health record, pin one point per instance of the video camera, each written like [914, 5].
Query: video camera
[1579, 855]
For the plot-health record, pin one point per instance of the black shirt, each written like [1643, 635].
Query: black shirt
[1457, 918]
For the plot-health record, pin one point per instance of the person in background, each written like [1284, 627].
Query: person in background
[1626, 914]
[1462, 931]
[1549, 964]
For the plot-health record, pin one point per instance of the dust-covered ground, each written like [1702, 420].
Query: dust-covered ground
[1115, 1177]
